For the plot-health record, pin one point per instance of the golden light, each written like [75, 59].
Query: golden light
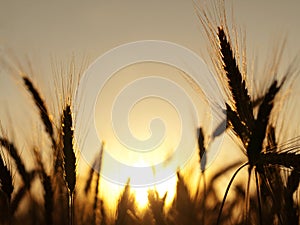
[141, 197]
[160, 161]
[169, 187]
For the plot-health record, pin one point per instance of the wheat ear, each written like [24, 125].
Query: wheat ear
[68, 149]
[285, 159]
[236, 82]
[255, 145]
[69, 158]
[13, 152]
[40, 104]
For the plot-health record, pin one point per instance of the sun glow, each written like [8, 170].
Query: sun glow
[141, 197]
[148, 137]
[167, 187]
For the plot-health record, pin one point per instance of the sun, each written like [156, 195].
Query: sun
[167, 187]
[141, 197]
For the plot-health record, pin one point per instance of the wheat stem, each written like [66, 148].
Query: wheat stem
[227, 191]
[258, 198]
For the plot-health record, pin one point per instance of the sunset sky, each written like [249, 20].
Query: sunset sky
[60, 29]
[93, 27]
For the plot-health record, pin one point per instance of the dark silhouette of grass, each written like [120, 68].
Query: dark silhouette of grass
[41, 105]
[252, 131]
[6, 179]
[266, 159]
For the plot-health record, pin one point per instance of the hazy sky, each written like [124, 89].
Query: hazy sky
[61, 27]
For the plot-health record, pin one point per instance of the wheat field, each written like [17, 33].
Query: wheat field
[269, 194]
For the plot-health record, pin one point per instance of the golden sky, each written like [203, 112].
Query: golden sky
[93, 27]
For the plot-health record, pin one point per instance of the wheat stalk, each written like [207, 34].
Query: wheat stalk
[48, 198]
[156, 205]
[271, 138]
[201, 144]
[97, 183]
[285, 159]
[68, 149]
[91, 172]
[293, 181]
[69, 158]
[183, 204]
[13, 152]
[236, 82]
[235, 122]
[125, 207]
[6, 179]
[21, 192]
[48, 190]
[40, 104]
[202, 150]
[255, 145]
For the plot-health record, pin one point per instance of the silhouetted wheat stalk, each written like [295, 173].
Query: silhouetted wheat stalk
[96, 200]
[69, 157]
[48, 190]
[252, 131]
[291, 210]
[13, 152]
[156, 205]
[6, 179]
[236, 83]
[125, 212]
[6, 186]
[89, 180]
[44, 114]
[202, 151]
